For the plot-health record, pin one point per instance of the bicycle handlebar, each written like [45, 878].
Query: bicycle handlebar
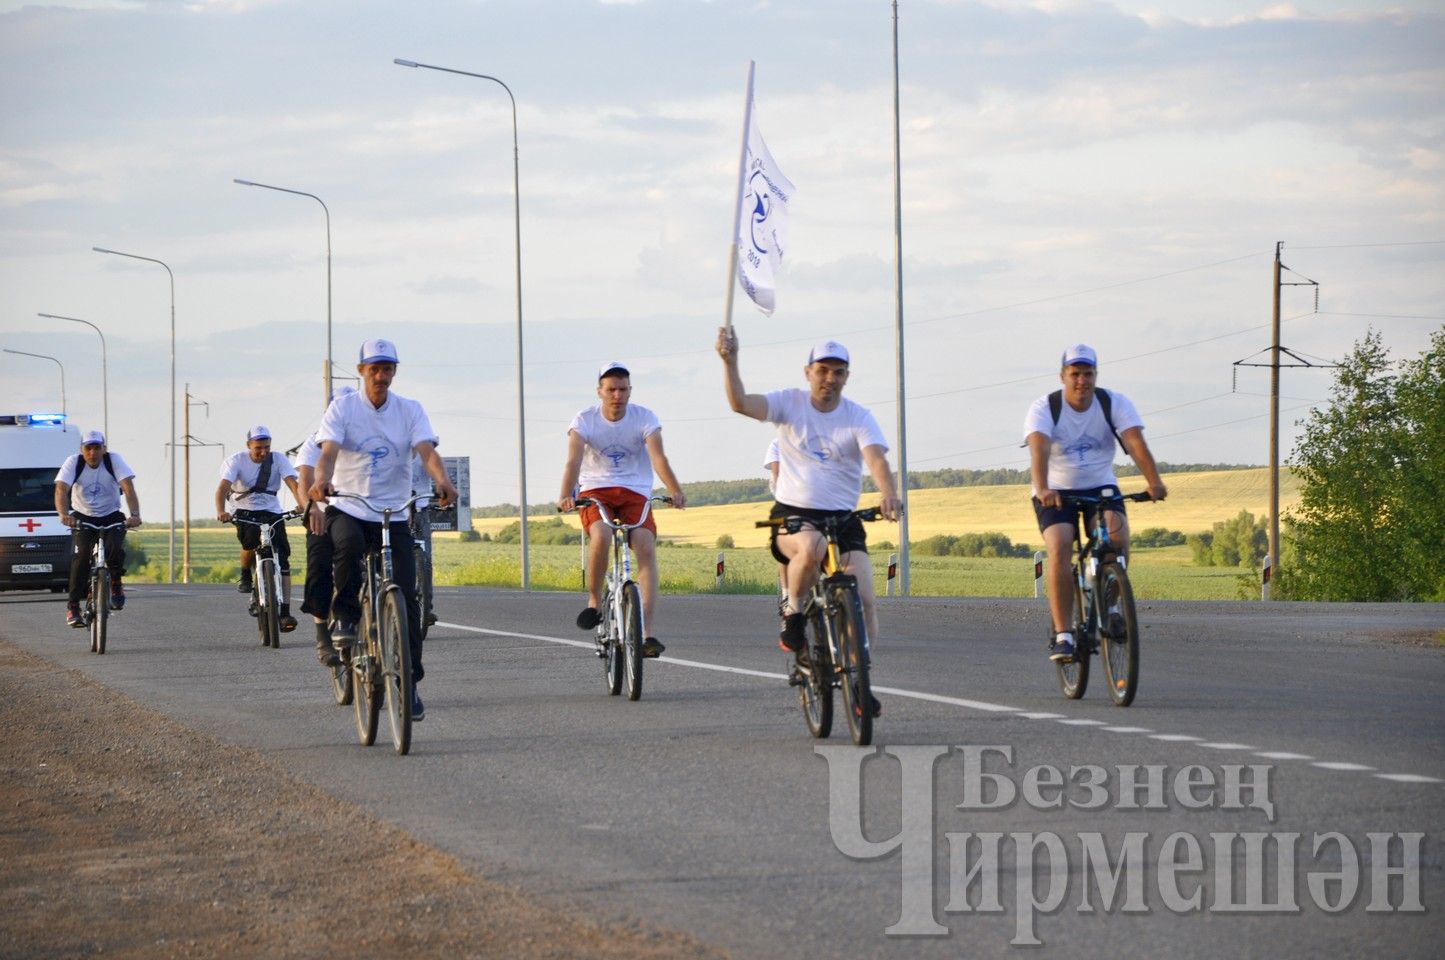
[794, 524]
[382, 510]
[288, 515]
[580, 502]
[1088, 501]
[93, 526]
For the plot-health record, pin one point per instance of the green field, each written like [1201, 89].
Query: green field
[1162, 574]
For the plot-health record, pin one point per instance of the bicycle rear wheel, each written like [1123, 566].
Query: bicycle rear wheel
[632, 639]
[1120, 647]
[1074, 676]
[396, 667]
[341, 681]
[100, 609]
[366, 685]
[853, 663]
[611, 633]
[815, 693]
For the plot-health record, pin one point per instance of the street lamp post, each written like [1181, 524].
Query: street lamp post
[171, 566]
[104, 367]
[517, 227]
[44, 356]
[326, 385]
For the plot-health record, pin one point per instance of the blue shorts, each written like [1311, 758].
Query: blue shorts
[1048, 516]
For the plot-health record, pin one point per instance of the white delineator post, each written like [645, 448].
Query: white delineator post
[1038, 574]
[1265, 577]
[892, 573]
[721, 564]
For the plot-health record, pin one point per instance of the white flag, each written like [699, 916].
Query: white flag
[763, 221]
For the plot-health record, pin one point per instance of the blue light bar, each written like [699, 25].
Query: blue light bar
[41, 419]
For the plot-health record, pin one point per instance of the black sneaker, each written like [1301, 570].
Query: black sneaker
[791, 638]
[588, 619]
[117, 595]
[343, 633]
[430, 619]
[73, 616]
[877, 707]
[1061, 651]
[652, 647]
[418, 709]
[288, 623]
[325, 653]
[245, 585]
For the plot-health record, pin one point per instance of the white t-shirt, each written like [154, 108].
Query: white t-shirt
[95, 492]
[820, 462]
[243, 475]
[772, 457]
[615, 454]
[309, 453]
[1081, 448]
[376, 450]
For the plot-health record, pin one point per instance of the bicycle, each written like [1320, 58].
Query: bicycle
[620, 630]
[1101, 594]
[96, 611]
[379, 664]
[837, 654]
[266, 584]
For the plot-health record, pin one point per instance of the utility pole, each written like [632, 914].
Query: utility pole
[191, 441]
[1275, 349]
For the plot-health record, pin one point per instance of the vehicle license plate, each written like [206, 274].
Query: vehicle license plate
[30, 568]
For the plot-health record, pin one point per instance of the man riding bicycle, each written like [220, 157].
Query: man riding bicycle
[824, 441]
[88, 489]
[251, 479]
[1070, 435]
[613, 448]
[367, 441]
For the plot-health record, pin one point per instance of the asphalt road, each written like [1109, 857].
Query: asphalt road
[705, 808]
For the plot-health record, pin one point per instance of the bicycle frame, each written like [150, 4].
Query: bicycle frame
[621, 569]
[267, 566]
[1091, 553]
[97, 561]
[832, 574]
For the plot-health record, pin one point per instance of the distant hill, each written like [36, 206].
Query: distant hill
[707, 493]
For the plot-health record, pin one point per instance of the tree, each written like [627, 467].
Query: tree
[1369, 524]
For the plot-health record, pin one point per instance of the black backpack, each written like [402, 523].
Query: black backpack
[1056, 407]
[80, 465]
[263, 478]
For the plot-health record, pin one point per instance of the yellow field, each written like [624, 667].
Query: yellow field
[1196, 502]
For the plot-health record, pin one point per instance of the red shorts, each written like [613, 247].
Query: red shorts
[623, 504]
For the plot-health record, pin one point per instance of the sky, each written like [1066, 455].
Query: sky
[1116, 173]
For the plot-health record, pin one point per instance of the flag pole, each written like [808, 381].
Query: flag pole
[738, 203]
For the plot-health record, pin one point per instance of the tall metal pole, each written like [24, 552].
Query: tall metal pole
[171, 568]
[517, 227]
[44, 356]
[326, 376]
[104, 367]
[186, 562]
[898, 314]
[1274, 420]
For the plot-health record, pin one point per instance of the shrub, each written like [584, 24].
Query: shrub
[725, 542]
[1157, 537]
[555, 531]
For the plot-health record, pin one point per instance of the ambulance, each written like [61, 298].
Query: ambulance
[34, 544]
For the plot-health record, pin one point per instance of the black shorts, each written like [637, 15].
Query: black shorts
[850, 535]
[1048, 516]
[250, 535]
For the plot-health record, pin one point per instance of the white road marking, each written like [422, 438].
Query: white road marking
[987, 707]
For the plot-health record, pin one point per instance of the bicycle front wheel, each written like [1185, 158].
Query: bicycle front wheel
[100, 609]
[269, 618]
[1121, 634]
[423, 585]
[853, 663]
[632, 639]
[395, 648]
[815, 693]
[365, 682]
[1074, 676]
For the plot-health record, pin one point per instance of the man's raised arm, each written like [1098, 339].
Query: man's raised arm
[753, 405]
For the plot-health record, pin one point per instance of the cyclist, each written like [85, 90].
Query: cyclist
[367, 439]
[824, 442]
[613, 448]
[88, 488]
[250, 479]
[1070, 435]
[316, 592]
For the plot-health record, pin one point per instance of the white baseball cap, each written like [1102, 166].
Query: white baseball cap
[258, 432]
[92, 438]
[1080, 353]
[613, 366]
[828, 350]
[378, 351]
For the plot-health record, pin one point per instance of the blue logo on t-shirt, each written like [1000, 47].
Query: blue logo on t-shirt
[377, 449]
[819, 449]
[616, 454]
[1080, 449]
